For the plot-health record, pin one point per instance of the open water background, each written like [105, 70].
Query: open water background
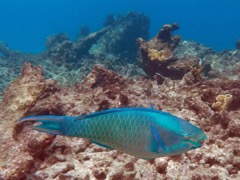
[25, 24]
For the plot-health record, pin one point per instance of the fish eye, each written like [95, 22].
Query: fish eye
[185, 136]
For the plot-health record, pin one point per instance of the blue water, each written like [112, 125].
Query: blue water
[25, 24]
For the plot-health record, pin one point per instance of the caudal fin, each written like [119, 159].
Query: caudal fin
[49, 124]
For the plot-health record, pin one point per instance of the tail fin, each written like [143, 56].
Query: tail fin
[49, 124]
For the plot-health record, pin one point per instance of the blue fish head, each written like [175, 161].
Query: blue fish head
[179, 136]
[191, 135]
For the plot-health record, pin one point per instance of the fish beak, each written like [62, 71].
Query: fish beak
[203, 138]
[198, 143]
[201, 141]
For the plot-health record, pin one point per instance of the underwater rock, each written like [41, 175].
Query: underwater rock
[7, 74]
[105, 89]
[223, 64]
[53, 40]
[18, 149]
[61, 50]
[120, 41]
[191, 49]
[182, 66]
[82, 46]
[114, 47]
[6, 51]
[158, 55]
[23, 92]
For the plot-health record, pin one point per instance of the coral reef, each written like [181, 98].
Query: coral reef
[116, 42]
[75, 157]
[60, 63]
[224, 65]
[6, 51]
[21, 95]
[69, 62]
[158, 53]
[120, 41]
[62, 50]
[184, 78]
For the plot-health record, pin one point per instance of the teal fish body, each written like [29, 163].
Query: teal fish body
[142, 132]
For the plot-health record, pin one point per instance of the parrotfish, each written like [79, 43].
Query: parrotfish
[142, 132]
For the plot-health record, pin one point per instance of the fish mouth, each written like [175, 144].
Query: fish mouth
[203, 137]
[198, 143]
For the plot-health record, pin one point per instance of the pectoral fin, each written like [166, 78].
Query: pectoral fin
[157, 144]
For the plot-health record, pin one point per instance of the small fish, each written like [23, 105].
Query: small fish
[142, 132]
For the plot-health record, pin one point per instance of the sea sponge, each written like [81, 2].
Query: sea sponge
[223, 102]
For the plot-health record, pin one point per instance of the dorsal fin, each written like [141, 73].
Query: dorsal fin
[113, 110]
[151, 106]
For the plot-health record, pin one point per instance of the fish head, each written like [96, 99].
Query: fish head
[179, 136]
[191, 135]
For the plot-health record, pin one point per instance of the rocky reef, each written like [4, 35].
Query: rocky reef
[157, 54]
[61, 50]
[184, 78]
[120, 41]
[210, 104]
[67, 61]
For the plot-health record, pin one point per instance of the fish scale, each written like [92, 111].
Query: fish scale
[142, 132]
[121, 128]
